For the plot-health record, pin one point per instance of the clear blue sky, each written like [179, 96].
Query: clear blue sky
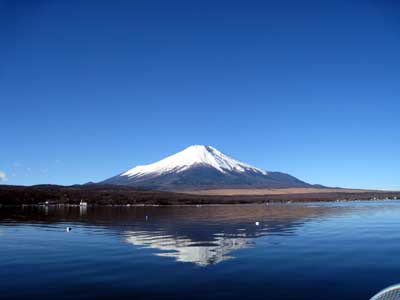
[91, 88]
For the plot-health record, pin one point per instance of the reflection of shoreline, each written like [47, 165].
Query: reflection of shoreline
[215, 214]
[208, 235]
[185, 250]
[200, 235]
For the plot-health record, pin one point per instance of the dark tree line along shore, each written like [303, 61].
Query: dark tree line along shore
[122, 195]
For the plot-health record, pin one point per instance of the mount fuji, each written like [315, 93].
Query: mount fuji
[200, 167]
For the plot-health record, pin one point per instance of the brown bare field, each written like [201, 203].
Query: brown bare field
[261, 192]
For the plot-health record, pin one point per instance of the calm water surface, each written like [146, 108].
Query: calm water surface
[298, 251]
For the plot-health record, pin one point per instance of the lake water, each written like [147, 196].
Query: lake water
[337, 251]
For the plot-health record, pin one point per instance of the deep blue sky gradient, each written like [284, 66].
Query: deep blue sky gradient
[91, 88]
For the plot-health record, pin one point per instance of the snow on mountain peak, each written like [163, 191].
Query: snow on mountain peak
[189, 157]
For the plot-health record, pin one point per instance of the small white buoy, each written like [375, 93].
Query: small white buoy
[68, 229]
[147, 217]
[257, 223]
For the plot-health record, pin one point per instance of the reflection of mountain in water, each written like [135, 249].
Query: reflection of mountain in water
[212, 234]
[185, 250]
[200, 235]
[204, 243]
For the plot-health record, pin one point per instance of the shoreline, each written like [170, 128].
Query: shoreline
[101, 195]
[59, 205]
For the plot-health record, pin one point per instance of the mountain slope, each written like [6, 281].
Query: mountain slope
[202, 167]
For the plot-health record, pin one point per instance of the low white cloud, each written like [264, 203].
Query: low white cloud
[3, 176]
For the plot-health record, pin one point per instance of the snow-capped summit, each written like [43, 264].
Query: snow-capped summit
[202, 167]
[195, 155]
